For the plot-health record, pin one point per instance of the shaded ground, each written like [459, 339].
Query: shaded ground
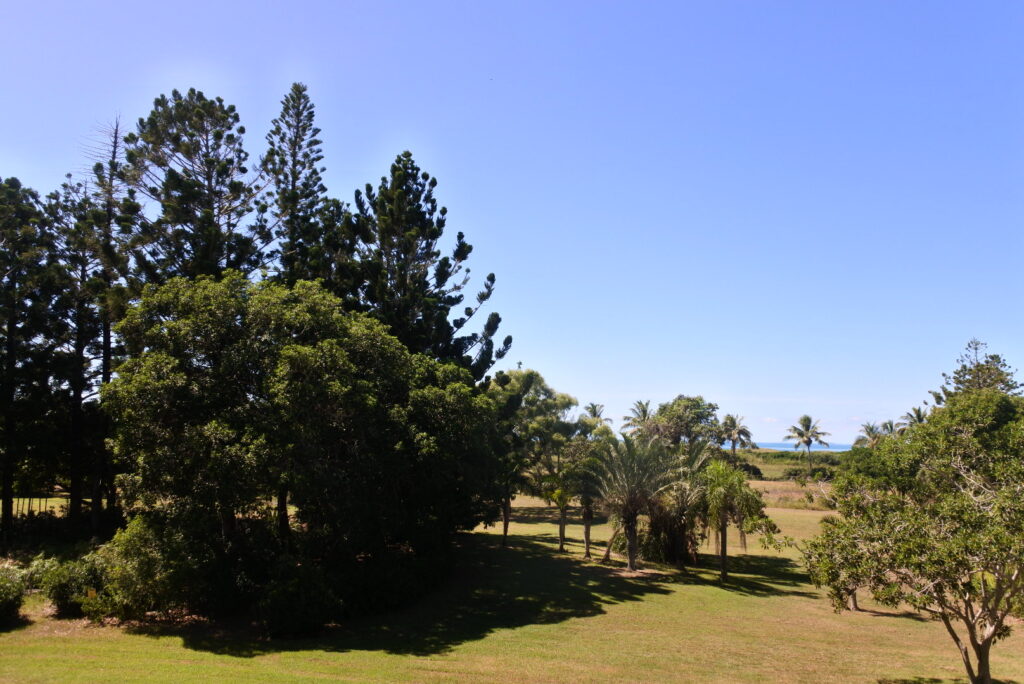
[496, 588]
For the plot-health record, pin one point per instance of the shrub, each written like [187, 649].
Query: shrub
[817, 473]
[69, 584]
[135, 575]
[12, 591]
[752, 471]
[37, 569]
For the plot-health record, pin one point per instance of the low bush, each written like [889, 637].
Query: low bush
[69, 584]
[817, 474]
[37, 569]
[12, 592]
[752, 471]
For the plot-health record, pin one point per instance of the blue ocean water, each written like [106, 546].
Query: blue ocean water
[788, 446]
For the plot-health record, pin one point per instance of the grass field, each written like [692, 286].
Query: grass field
[528, 613]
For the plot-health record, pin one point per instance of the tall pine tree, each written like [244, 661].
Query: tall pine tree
[407, 284]
[187, 158]
[306, 223]
[27, 290]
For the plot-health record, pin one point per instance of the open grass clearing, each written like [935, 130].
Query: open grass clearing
[528, 613]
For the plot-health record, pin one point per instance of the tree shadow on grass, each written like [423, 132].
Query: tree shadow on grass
[753, 575]
[10, 624]
[909, 615]
[493, 589]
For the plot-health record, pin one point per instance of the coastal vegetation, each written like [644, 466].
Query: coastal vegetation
[238, 411]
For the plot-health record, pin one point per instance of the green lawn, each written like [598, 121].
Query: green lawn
[529, 613]
[53, 504]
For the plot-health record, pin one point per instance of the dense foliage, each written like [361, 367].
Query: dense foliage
[934, 518]
[277, 393]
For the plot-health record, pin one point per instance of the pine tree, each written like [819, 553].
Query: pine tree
[306, 223]
[977, 371]
[407, 284]
[79, 335]
[27, 289]
[187, 158]
[113, 214]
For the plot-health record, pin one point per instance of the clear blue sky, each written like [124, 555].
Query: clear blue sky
[799, 207]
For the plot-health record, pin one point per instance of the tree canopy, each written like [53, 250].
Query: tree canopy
[939, 524]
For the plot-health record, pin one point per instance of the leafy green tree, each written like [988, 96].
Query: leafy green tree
[685, 419]
[235, 390]
[736, 433]
[407, 284]
[187, 158]
[508, 392]
[806, 433]
[838, 562]
[630, 474]
[558, 445]
[939, 525]
[728, 498]
[188, 405]
[570, 480]
[28, 285]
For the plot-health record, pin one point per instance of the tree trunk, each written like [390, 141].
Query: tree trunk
[981, 653]
[630, 525]
[588, 519]
[611, 540]
[284, 527]
[76, 455]
[506, 517]
[722, 550]
[561, 529]
[853, 601]
[111, 490]
[733, 452]
[76, 451]
[227, 523]
[96, 506]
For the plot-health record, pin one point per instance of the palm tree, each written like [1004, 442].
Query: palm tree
[806, 433]
[915, 416]
[629, 475]
[733, 430]
[892, 428]
[729, 499]
[870, 435]
[688, 490]
[640, 416]
[596, 411]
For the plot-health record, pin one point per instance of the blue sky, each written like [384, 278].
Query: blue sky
[799, 207]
